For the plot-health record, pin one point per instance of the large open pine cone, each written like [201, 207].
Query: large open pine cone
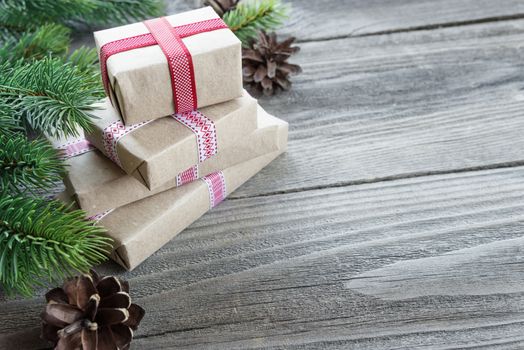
[221, 6]
[265, 66]
[91, 312]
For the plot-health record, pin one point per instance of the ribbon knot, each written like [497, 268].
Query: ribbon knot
[179, 59]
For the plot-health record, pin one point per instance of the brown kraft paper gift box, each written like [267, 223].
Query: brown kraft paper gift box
[159, 150]
[97, 184]
[141, 228]
[216, 57]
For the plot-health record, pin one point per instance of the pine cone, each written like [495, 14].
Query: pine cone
[265, 66]
[90, 312]
[222, 6]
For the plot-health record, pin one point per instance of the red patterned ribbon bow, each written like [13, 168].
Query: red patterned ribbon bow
[178, 57]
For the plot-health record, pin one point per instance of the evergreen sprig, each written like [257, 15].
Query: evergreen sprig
[28, 164]
[50, 96]
[45, 89]
[50, 39]
[251, 16]
[44, 241]
[23, 15]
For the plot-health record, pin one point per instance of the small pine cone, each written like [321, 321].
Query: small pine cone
[90, 312]
[222, 6]
[265, 66]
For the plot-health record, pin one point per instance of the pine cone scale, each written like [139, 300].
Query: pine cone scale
[84, 290]
[89, 340]
[56, 295]
[260, 74]
[136, 313]
[271, 69]
[120, 300]
[108, 317]
[105, 339]
[122, 335]
[62, 314]
[108, 285]
[222, 6]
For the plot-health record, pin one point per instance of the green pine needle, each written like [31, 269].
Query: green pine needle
[84, 58]
[49, 96]
[22, 15]
[8, 124]
[43, 242]
[251, 16]
[26, 165]
[50, 39]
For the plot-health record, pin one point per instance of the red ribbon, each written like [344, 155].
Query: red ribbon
[178, 57]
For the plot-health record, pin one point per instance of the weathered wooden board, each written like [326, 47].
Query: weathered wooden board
[397, 105]
[328, 19]
[431, 262]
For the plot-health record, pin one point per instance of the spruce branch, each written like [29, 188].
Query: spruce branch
[26, 164]
[49, 39]
[21, 15]
[251, 16]
[44, 241]
[48, 96]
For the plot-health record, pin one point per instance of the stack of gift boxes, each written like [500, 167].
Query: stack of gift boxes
[176, 134]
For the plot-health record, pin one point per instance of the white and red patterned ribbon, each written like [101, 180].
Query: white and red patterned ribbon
[75, 147]
[204, 130]
[96, 218]
[187, 176]
[216, 185]
[170, 40]
[114, 132]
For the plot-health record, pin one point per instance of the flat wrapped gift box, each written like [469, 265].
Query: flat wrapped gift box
[215, 56]
[141, 228]
[157, 151]
[97, 184]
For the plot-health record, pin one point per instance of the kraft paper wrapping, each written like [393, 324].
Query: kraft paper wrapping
[97, 184]
[158, 151]
[216, 59]
[141, 228]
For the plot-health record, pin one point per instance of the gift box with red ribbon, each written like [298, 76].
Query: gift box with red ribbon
[157, 151]
[167, 65]
[98, 185]
[140, 228]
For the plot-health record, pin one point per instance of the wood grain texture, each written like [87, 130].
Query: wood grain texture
[400, 105]
[433, 262]
[328, 19]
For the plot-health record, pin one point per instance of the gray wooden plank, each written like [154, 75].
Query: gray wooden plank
[432, 262]
[327, 19]
[324, 19]
[396, 105]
